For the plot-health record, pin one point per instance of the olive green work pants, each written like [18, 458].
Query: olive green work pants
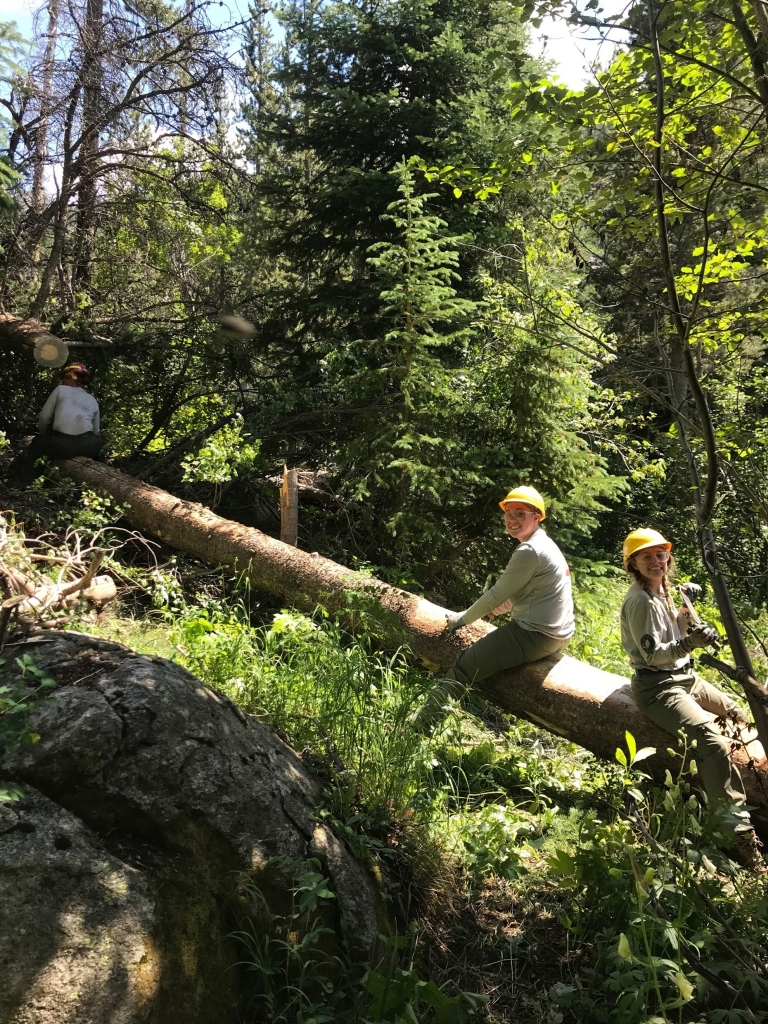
[682, 700]
[506, 647]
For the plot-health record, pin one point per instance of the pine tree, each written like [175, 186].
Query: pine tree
[363, 85]
[421, 325]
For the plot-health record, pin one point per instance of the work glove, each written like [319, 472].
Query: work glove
[701, 636]
[453, 621]
[691, 590]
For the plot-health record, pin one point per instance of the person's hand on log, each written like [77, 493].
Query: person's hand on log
[701, 636]
[501, 610]
[453, 622]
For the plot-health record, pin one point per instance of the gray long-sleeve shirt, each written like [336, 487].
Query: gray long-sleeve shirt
[71, 410]
[537, 581]
[650, 634]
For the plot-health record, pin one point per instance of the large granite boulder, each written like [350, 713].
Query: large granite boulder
[151, 804]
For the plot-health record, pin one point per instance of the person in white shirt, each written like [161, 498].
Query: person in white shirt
[535, 588]
[69, 423]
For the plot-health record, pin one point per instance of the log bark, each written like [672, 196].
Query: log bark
[29, 338]
[584, 704]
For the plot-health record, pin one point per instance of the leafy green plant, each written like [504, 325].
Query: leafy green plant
[398, 997]
[294, 974]
[494, 838]
[297, 973]
[224, 455]
[96, 512]
[658, 903]
[18, 701]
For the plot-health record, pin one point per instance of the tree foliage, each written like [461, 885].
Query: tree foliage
[450, 260]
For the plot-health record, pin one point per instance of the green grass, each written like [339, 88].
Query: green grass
[328, 691]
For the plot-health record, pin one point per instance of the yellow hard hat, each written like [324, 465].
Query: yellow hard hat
[640, 539]
[529, 496]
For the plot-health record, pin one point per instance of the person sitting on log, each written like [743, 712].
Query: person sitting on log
[535, 588]
[659, 639]
[69, 423]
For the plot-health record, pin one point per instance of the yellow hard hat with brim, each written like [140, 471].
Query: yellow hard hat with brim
[640, 539]
[529, 496]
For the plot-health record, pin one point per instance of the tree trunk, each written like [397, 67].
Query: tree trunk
[29, 338]
[588, 706]
[60, 217]
[40, 156]
[92, 75]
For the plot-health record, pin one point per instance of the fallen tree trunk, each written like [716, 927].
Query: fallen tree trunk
[29, 338]
[586, 705]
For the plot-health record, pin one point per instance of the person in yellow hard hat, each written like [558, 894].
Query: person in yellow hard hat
[535, 588]
[69, 423]
[658, 638]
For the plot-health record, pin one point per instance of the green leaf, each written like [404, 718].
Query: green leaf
[434, 996]
[631, 745]
[561, 863]
[643, 753]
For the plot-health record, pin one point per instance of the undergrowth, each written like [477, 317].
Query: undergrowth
[560, 887]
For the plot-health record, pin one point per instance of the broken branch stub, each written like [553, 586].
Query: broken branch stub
[289, 507]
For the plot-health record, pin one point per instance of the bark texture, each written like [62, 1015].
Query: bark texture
[588, 706]
[147, 802]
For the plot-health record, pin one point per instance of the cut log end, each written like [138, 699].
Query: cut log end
[50, 351]
[31, 339]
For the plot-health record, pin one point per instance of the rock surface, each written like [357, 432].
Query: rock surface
[76, 932]
[148, 799]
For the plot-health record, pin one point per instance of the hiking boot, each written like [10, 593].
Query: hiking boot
[747, 850]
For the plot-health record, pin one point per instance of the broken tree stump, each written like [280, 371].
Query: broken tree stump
[289, 507]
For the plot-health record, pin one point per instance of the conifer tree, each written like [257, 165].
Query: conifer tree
[421, 323]
[361, 86]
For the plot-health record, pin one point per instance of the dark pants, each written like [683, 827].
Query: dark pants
[57, 446]
[506, 647]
